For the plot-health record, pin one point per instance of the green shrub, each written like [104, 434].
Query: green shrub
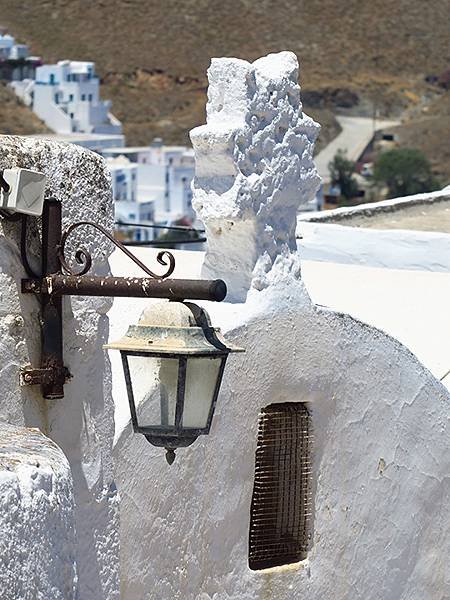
[405, 171]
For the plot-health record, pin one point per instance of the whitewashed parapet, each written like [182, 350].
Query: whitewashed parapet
[254, 167]
[37, 528]
[353, 213]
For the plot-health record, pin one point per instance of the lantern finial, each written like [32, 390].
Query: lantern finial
[170, 455]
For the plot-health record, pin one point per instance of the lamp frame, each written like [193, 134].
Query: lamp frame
[58, 278]
[178, 435]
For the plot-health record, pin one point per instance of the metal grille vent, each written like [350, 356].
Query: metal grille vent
[281, 502]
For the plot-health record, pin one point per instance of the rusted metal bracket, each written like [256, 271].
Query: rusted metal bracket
[49, 376]
[58, 279]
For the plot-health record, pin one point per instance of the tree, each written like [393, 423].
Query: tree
[341, 173]
[405, 171]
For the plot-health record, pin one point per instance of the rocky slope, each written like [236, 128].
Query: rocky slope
[152, 54]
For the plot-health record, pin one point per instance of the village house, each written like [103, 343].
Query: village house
[134, 218]
[16, 63]
[164, 177]
[66, 96]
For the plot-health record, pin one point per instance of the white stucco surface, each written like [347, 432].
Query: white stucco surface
[82, 422]
[37, 529]
[381, 450]
[412, 306]
[396, 280]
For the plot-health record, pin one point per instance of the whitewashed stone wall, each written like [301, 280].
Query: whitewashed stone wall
[81, 423]
[381, 455]
[381, 463]
[37, 529]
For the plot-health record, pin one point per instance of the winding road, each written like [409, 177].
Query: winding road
[355, 135]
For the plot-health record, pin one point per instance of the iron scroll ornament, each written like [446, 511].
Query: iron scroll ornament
[83, 257]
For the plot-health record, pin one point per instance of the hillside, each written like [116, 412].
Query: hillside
[15, 118]
[152, 55]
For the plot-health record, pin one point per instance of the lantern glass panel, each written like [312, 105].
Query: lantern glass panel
[201, 380]
[154, 381]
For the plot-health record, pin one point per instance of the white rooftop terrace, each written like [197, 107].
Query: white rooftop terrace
[78, 66]
[125, 149]
[432, 217]
[76, 137]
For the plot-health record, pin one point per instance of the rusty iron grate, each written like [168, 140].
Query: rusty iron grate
[281, 502]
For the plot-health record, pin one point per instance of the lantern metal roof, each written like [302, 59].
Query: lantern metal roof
[174, 328]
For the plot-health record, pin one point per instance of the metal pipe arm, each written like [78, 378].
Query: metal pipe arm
[134, 287]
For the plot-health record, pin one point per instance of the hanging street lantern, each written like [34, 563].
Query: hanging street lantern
[173, 359]
[173, 363]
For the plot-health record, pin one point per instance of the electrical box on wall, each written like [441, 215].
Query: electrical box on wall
[26, 191]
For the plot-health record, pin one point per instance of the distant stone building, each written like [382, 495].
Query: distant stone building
[66, 97]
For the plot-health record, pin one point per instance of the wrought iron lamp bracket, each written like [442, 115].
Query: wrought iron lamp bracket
[58, 278]
[83, 257]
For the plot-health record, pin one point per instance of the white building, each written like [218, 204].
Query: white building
[10, 50]
[123, 178]
[136, 154]
[378, 459]
[170, 188]
[165, 174]
[66, 97]
[128, 208]
[15, 62]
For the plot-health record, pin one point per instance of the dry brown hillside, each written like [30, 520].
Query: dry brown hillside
[15, 118]
[152, 54]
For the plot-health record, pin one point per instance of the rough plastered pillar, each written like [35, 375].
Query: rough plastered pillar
[37, 529]
[254, 167]
[82, 423]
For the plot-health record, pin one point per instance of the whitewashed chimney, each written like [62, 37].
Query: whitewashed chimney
[254, 168]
